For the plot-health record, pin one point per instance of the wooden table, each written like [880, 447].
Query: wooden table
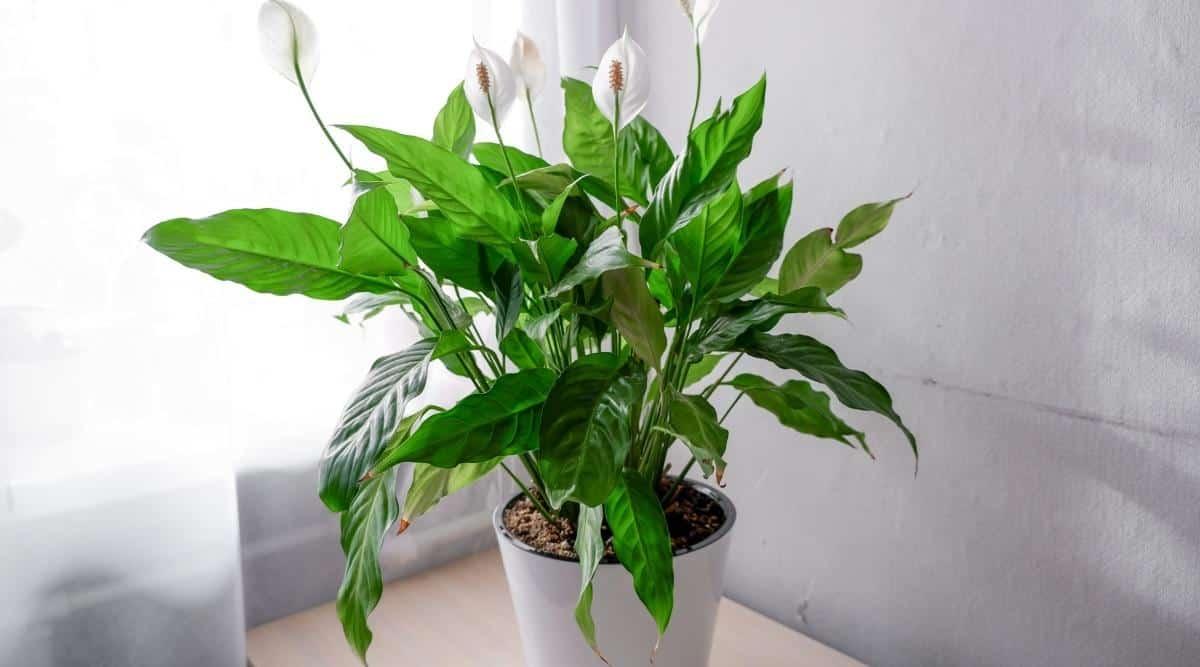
[421, 621]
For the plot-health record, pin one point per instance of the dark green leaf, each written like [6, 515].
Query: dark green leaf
[651, 151]
[364, 524]
[643, 544]
[694, 420]
[587, 428]
[797, 405]
[467, 264]
[502, 421]
[589, 546]
[815, 261]
[370, 419]
[454, 127]
[374, 241]
[267, 250]
[554, 210]
[708, 244]
[715, 149]
[814, 360]
[474, 208]
[450, 342]
[605, 254]
[765, 211]
[555, 252]
[508, 293]
[759, 314]
[636, 314]
[523, 351]
[864, 222]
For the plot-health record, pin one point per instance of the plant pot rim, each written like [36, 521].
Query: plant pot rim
[707, 489]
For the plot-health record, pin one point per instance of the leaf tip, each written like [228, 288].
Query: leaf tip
[403, 526]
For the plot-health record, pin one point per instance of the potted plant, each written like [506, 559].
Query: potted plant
[587, 302]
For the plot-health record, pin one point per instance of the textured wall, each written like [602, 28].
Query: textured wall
[1033, 308]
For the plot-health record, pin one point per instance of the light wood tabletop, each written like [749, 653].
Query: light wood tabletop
[420, 622]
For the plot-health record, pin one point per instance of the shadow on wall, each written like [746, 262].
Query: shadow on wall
[291, 554]
[91, 619]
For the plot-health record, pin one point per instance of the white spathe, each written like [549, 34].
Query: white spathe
[288, 39]
[700, 12]
[527, 66]
[489, 76]
[622, 75]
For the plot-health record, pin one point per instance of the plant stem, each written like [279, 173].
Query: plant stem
[533, 120]
[512, 175]
[666, 500]
[696, 104]
[617, 207]
[708, 391]
[730, 408]
[313, 109]
[525, 490]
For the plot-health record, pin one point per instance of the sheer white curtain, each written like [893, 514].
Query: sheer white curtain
[139, 400]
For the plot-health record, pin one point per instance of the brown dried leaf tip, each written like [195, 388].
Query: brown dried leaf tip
[616, 76]
[483, 77]
[404, 524]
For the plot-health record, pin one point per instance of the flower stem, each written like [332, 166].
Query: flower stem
[618, 209]
[313, 109]
[533, 119]
[696, 103]
[512, 175]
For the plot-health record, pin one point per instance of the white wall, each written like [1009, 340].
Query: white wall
[1034, 309]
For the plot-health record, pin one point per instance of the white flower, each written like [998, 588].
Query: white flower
[700, 12]
[527, 65]
[288, 39]
[489, 76]
[622, 77]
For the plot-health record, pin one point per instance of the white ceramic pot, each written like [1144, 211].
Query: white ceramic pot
[544, 590]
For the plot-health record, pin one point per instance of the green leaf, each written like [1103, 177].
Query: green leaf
[650, 150]
[817, 362]
[474, 208]
[502, 421]
[508, 293]
[555, 252]
[759, 314]
[588, 141]
[538, 327]
[797, 405]
[374, 241]
[430, 484]
[554, 210]
[370, 419]
[587, 428]
[400, 189]
[694, 420]
[636, 314]
[523, 351]
[765, 211]
[491, 156]
[714, 150]
[864, 222]
[267, 250]
[605, 254]
[643, 544]
[450, 342]
[454, 127]
[816, 262]
[764, 287]
[468, 264]
[702, 368]
[364, 524]
[708, 244]
[589, 546]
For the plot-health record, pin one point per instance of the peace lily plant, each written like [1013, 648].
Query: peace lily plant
[586, 302]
